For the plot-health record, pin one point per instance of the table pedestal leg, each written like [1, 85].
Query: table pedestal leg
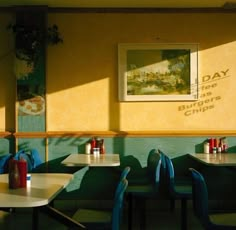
[35, 219]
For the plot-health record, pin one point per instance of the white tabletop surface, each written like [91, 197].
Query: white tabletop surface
[44, 187]
[218, 159]
[102, 160]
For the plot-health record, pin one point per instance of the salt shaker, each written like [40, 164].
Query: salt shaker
[206, 147]
[88, 148]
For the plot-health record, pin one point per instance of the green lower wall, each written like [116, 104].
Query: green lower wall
[98, 183]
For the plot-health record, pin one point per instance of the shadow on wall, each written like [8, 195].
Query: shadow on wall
[99, 183]
[199, 148]
[232, 149]
[55, 166]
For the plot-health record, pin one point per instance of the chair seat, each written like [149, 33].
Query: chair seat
[139, 176]
[139, 179]
[141, 191]
[86, 216]
[226, 219]
[183, 191]
[102, 219]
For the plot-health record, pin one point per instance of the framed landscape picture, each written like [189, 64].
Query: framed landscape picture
[158, 72]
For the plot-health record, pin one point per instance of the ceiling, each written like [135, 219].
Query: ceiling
[123, 3]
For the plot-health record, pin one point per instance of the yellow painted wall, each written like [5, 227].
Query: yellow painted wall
[82, 73]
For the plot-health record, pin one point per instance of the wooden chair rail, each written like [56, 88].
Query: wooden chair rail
[156, 133]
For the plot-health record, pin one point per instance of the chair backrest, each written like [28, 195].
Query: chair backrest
[118, 204]
[123, 175]
[32, 157]
[200, 197]
[154, 167]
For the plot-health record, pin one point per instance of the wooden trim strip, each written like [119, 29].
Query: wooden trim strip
[139, 10]
[5, 134]
[30, 135]
[124, 9]
[157, 133]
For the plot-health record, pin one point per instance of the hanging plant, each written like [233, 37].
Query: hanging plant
[30, 39]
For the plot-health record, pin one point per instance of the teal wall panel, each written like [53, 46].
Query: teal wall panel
[6, 145]
[31, 123]
[86, 180]
[36, 143]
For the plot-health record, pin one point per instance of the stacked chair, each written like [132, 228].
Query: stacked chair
[176, 190]
[216, 221]
[138, 193]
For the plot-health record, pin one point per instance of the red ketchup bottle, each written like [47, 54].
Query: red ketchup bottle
[102, 147]
[93, 144]
[22, 166]
[211, 144]
[13, 174]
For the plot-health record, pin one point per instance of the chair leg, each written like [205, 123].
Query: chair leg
[138, 204]
[130, 211]
[172, 204]
[35, 218]
[142, 214]
[183, 214]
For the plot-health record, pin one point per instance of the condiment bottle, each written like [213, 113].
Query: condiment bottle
[88, 148]
[224, 145]
[206, 147]
[22, 166]
[102, 147]
[93, 144]
[13, 174]
[214, 150]
[211, 144]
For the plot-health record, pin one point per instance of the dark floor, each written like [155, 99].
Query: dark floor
[155, 219]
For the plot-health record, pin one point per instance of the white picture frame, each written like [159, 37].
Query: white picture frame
[157, 72]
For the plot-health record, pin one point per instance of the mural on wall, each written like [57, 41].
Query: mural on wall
[29, 69]
[157, 72]
[31, 94]
[31, 38]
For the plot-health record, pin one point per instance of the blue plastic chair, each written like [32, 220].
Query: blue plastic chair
[177, 191]
[100, 219]
[140, 192]
[32, 157]
[217, 221]
[151, 184]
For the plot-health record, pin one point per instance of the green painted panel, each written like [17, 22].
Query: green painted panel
[6, 145]
[134, 151]
[36, 143]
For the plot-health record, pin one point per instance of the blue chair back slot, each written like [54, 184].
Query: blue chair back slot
[154, 167]
[118, 204]
[4, 162]
[200, 196]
